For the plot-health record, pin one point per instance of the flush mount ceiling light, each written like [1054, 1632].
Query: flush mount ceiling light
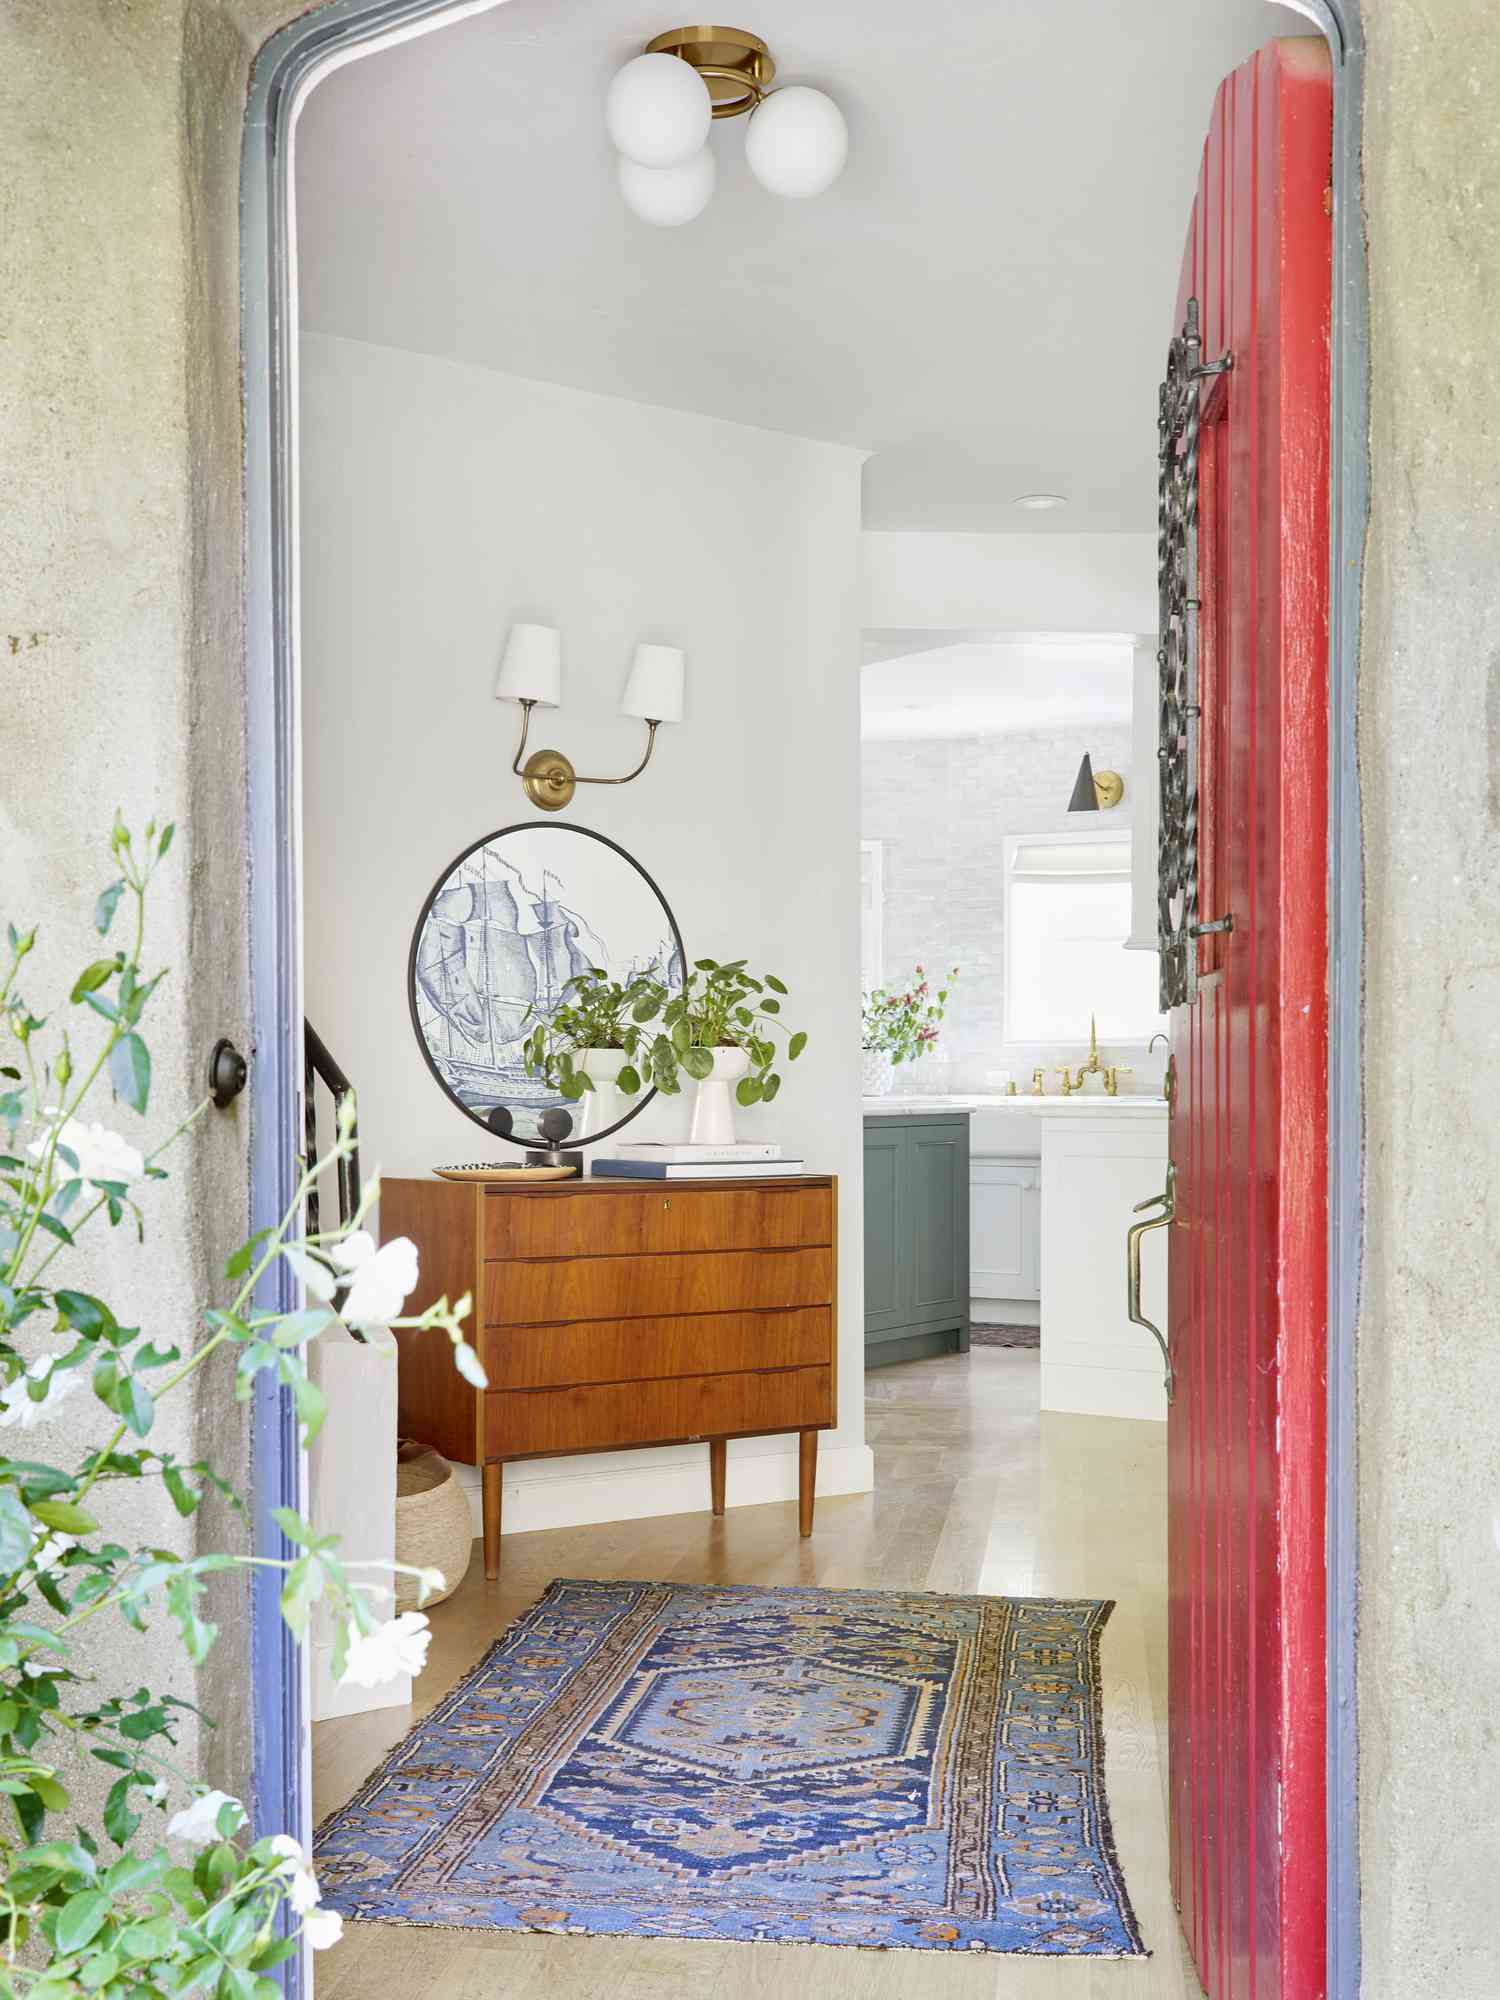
[662, 105]
[1041, 503]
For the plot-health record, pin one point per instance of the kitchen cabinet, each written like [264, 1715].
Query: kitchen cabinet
[1005, 1228]
[916, 1235]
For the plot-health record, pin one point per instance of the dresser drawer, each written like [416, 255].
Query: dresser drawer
[624, 1350]
[606, 1221]
[565, 1288]
[521, 1423]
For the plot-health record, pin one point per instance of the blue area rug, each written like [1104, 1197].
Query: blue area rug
[847, 1767]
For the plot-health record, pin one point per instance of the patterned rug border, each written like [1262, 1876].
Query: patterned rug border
[1105, 1607]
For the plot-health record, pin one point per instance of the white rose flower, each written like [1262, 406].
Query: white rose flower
[102, 1154]
[198, 1824]
[397, 1647]
[379, 1280]
[16, 1405]
[322, 1928]
[303, 1892]
[157, 1793]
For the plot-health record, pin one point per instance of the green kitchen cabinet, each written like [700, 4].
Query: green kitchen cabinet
[916, 1235]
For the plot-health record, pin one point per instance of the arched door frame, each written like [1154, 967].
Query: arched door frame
[290, 64]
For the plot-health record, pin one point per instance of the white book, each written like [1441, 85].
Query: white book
[689, 1170]
[673, 1152]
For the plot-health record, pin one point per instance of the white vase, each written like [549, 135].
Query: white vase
[713, 1106]
[604, 1105]
[877, 1074]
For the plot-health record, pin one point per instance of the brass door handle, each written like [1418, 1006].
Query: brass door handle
[1166, 1201]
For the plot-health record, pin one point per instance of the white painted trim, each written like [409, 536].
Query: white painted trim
[568, 1493]
[1103, 1392]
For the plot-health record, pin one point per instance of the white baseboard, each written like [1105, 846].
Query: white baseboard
[330, 1697]
[1006, 1312]
[1102, 1392]
[572, 1493]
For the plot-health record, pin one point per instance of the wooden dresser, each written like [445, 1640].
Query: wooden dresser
[617, 1313]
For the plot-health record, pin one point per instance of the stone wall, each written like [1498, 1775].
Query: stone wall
[1429, 1386]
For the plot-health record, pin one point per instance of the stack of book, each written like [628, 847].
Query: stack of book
[668, 1160]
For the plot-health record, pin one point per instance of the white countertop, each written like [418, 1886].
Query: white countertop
[901, 1103]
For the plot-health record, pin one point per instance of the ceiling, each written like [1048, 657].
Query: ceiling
[982, 684]
[982, 302]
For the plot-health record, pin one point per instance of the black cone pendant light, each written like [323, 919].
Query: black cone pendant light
[1092, 790]
[1084, 799]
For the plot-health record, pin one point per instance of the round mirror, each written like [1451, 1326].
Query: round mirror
[508, 925]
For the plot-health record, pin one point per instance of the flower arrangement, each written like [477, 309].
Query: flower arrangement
[167, 1895]
[667, 1035]
[905, 1025]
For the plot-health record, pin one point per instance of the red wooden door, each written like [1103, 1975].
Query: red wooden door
[1249, 1123]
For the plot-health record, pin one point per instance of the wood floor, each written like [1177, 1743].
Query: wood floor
[974, 1492]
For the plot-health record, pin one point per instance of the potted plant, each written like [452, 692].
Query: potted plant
[899, 1027]
[590, 1040]
[717, 1031]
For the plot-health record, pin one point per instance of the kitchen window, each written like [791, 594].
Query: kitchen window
[1066, 918]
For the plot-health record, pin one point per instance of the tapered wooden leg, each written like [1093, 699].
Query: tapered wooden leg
[718, 1453]
[492, 1472]
[807, 1480]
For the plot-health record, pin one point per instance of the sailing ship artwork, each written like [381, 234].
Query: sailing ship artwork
[514, 921]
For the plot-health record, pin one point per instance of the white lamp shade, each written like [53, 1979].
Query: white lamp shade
[669, 196]
[653, 690]
[797, 142]
[531, 669]
[658, 111]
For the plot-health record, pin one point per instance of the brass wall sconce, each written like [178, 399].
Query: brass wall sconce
[531, 674]
[1095, 791]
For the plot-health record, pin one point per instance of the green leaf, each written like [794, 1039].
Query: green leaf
[774, 983]
[796, 1045]
[65, 1516]
[628, 1082]
[120, 1822]
[104, 909]
[699, 1063]
[749, 1090]
[770, 1006]
[769, 1087]
[292, 1526]
[81, 1918]
[85, 1314]
[92, 977]
[16, 1534]
[99, 1971]
[130, 1070]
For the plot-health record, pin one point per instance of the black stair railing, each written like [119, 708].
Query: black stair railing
[319, 1066]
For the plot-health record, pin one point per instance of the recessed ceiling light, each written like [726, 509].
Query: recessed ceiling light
[1041, 503]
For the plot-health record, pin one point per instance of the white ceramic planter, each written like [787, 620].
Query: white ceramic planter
[877, 1074]
[713, 1104]
[604, 1105]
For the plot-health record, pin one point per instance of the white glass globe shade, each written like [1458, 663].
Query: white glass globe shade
[658, 111]
[798, 142]
[668, 196]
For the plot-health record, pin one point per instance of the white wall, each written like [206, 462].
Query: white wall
[439, 502]
[941, 810]
[1013, 583]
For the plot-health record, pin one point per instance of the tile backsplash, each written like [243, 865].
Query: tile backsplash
[941, 810]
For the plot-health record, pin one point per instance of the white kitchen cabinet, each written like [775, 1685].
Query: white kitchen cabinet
[1094, 1171]
[1005, 1228]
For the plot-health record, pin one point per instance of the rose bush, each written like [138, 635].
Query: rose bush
[168, 1895]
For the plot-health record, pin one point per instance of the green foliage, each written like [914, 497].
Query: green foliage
[152, 1902]
[670, 1035]
[906, 1024]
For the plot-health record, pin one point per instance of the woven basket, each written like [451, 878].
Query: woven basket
[434, 1526]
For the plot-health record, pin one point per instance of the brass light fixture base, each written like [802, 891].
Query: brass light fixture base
[736, 65]
[1109, 788]
[549, 779]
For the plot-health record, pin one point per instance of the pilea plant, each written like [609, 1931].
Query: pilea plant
[168, 1894]
[667, 1035]
[596, 1012]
